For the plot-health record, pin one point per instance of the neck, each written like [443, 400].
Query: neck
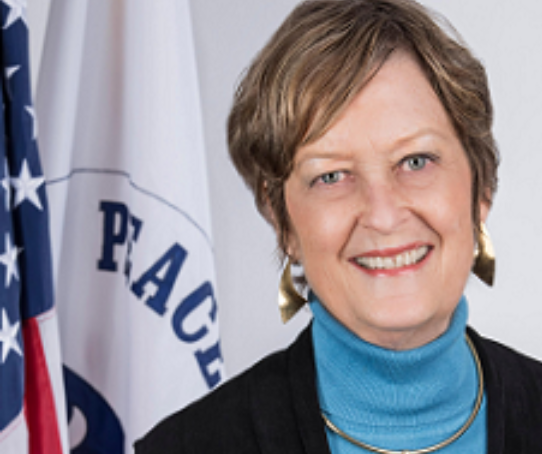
[364, 387]
[407, 339]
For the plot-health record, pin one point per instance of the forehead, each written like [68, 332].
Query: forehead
[396, 106]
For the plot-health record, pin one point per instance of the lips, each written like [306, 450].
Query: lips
[391, 261]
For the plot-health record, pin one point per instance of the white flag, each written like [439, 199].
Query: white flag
[122, 145]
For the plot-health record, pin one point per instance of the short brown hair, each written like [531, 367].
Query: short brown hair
[318, 60]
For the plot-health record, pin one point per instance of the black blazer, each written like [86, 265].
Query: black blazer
[273, 408]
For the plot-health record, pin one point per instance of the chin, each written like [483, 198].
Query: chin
[408, 325]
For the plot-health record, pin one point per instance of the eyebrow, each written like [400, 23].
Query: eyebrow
[340, 155]
[314, 156]
[421, 133]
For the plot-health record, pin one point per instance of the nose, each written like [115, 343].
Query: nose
[383, 207]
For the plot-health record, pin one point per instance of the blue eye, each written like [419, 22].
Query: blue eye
[331, 177]
[416, 162]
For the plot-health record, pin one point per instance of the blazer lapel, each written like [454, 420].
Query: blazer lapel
[284, 402]
[302, 378]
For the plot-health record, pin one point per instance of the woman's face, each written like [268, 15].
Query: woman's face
[380, 211]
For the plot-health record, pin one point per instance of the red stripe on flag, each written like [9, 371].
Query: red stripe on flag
[39, 403]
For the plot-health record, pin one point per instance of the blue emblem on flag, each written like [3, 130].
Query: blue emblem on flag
[104, 434]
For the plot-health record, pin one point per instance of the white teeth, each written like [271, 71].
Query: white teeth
[398, 261]
[419, 254]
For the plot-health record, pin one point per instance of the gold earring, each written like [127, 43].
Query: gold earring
[484, 257]
[290, 301]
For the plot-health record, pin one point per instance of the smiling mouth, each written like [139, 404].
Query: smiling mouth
[394, 262]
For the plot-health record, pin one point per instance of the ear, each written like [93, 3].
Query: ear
[265, 208]
[292, 247]
[270, 216]
[484, 210]
[289, 244]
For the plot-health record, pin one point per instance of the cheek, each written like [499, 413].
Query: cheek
[318, 229]
[455, 228]
[448, 200]
[451, 218]
[452, 215]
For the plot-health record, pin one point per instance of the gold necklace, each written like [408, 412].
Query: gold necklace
[442, 444]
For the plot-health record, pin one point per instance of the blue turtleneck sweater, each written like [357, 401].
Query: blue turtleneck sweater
[397, 400]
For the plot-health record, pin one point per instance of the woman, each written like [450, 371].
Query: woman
[364, 132]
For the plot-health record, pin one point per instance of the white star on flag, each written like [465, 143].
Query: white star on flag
[8, 73]
[32, 113]
[17, 10]
[27, 187]
[8, 334]
[10, 70]
[9, 260]
[6, 184]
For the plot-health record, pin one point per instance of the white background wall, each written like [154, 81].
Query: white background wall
[506, 36]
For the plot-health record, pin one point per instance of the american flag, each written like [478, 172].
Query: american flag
[32, 410]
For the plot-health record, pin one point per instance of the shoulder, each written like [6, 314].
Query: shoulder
[221, 417]
[225, 419]
[514, 397]
[509, 365]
